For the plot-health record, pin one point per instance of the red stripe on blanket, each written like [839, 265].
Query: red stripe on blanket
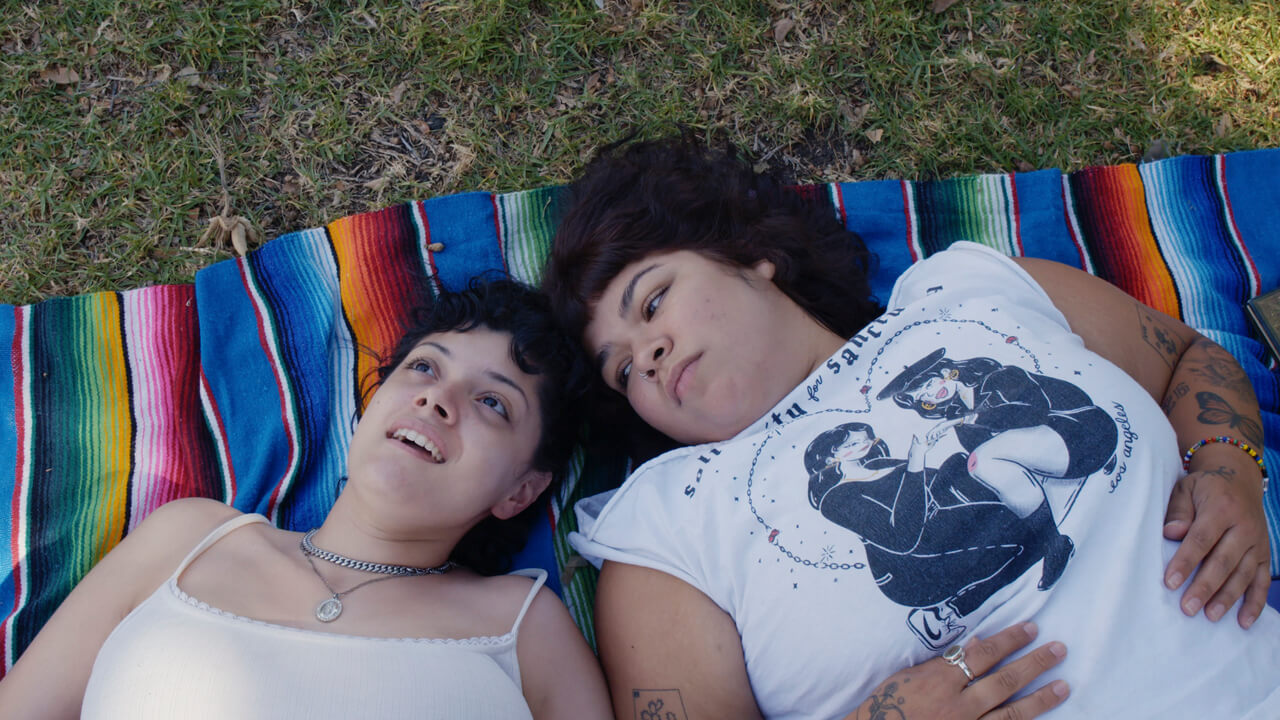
[277, 371]
[1017, 214]
[219, 437]
[17, 516]
[1220, 173]
[908, 213]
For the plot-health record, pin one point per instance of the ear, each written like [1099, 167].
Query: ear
[532, 483]
[765, 269]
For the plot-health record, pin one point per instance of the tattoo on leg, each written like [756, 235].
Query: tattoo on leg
[1160, 334]
[1214, 410]
[1171, 398]
[658, 704]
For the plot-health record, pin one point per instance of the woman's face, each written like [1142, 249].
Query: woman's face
[855, 448]
[702, 350]
[937, 390]
[450, 434]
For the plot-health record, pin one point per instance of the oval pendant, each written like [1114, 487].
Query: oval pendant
[329, 610]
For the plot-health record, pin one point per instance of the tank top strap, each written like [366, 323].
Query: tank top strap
[215, 535]
[539, 577]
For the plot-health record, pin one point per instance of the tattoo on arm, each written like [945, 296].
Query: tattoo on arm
[658, 705]
[1158, 333]
[1171, 398]
[885, 704]
[1219, 368]
[1214, 410]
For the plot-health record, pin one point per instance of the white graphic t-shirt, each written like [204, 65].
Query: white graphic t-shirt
[960, 465]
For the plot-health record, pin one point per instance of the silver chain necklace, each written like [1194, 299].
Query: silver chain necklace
[329, 609]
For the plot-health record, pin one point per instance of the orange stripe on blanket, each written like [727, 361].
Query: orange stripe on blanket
[1112, 209]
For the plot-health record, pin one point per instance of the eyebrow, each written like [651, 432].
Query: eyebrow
[491, 374]
[624, 306]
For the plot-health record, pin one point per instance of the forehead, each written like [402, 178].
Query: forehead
[481, 350]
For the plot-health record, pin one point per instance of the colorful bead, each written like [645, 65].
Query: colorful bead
[1186, 457]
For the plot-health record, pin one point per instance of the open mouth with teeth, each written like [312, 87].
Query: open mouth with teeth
[418, 440]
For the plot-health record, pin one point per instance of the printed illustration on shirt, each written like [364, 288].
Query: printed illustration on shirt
[943, 534]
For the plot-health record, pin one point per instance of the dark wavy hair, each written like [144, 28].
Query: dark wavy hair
[635, 199]
[538, 347]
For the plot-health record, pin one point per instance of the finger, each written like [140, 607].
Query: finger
[1213, 571]
[1037, 703]
[1239, 581]
[984, 654]
[1203, 535]
[1181, 512]
[994, 688]
[1255, 598]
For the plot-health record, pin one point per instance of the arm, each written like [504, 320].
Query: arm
[665, 645]
[1216, 510]
[670, 652]
[68, 644]
[559, 673]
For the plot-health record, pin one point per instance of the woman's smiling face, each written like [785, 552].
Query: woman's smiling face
[701, 350]
[854, 448]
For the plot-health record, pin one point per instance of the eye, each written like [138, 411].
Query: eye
[421, 365]
[651, 305]
[623, 375]
[495, 403]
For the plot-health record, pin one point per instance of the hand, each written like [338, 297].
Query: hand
[937, 689]
[1217, 514]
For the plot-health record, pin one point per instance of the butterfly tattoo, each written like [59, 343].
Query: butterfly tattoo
[1216, 411]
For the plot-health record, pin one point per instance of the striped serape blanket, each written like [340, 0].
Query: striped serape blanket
[245, 385]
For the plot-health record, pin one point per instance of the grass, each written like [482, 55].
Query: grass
[111, 113]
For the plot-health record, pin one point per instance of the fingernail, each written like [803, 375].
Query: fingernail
[1215, 611]
[1191, 605]
[1174, 581]
[1058, 649]
[1060, 688]
[1030, 629]
[1247, 621]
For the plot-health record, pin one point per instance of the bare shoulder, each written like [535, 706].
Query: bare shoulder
[177, 526]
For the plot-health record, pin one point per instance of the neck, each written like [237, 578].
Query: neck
[348, 533]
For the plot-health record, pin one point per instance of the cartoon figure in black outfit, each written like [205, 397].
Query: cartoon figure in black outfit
[1021, 430]
[937, 540]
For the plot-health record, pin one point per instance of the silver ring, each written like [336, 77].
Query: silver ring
[955, 656]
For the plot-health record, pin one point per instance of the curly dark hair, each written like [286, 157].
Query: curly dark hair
[538, 347]
[635, 199]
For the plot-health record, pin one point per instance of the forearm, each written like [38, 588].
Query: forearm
[1210, 395]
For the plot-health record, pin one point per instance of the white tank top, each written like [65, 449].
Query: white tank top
[175, 656]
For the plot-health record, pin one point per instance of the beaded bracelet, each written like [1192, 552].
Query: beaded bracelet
[1186, 458]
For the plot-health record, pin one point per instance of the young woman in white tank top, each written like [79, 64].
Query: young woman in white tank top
[206, 612]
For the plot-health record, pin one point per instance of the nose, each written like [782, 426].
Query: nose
[439, 401]
[652, 356]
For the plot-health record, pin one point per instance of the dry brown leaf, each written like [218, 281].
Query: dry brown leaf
[782, 28]
[163, 73]
[189, 75]
[856, 115]
[875, 135]
[1024, 166]
[398, 91]
[60, 76]
[1072, 91]
[1222, 126]
[592, 83]
[379, 184]
[941, 5]
[1213, 64]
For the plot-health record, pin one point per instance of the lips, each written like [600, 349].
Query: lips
[681, 377]
[418, 440]
[941, 394]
